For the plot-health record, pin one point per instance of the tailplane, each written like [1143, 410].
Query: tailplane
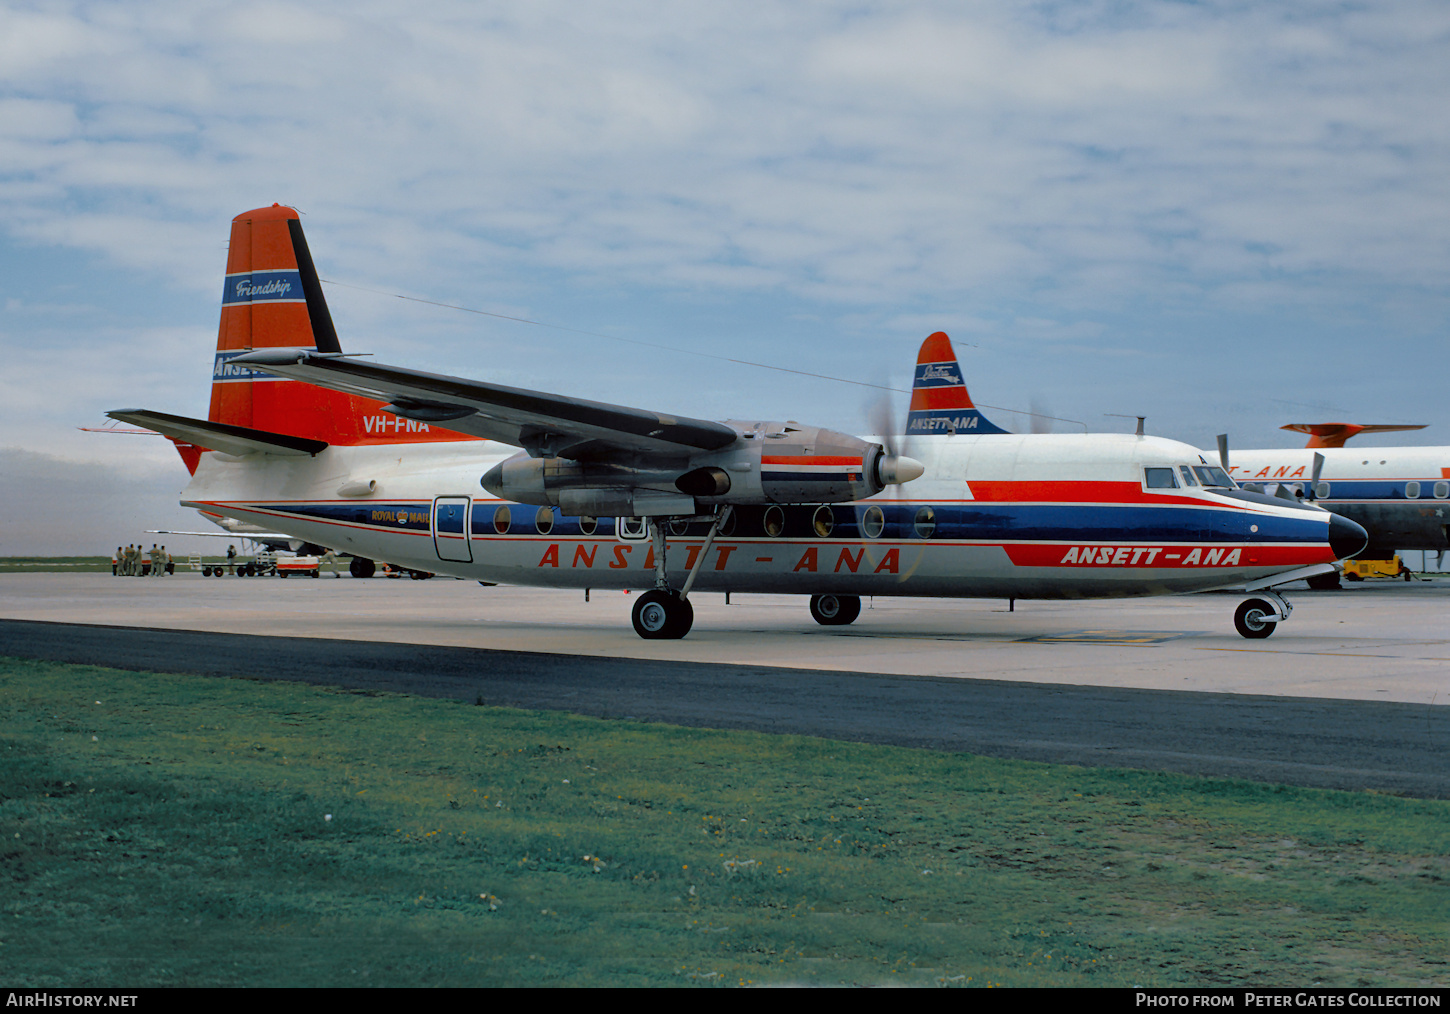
[1335, 434]
[939, 400]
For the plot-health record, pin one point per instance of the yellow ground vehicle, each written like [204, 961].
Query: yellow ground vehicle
[1358, 570]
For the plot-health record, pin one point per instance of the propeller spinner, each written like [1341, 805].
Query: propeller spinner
[893, 467]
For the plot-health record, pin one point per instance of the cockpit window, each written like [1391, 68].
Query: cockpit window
[1160, 478]
[1210, 475]
[1187, 473]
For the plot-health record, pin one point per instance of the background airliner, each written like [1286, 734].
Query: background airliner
[420, 469]
[1399, 495]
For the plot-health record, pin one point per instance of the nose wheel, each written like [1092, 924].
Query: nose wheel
[662, 616]
[1257, 617]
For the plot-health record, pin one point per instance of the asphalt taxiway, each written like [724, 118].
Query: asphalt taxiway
[1347, 694]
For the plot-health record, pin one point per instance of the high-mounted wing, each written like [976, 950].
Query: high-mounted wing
[545, 425]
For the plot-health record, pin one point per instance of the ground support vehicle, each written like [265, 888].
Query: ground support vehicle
[1358, 570]
[305, 566]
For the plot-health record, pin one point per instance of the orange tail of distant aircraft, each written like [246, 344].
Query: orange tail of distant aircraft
[1335, 434]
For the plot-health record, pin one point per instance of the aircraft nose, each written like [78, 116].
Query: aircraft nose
[1345, 537]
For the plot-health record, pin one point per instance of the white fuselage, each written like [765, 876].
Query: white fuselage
[1025, 516]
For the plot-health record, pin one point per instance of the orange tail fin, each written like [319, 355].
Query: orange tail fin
[939, 400]
[273, 299]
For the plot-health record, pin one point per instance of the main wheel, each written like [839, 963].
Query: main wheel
[1251, 619]
[662, 616]
[360, 566]
[835, 610]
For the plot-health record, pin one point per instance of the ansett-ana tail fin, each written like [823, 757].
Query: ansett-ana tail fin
[939, 400]
[273, 299]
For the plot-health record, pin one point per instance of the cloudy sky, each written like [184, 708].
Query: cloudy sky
[1225, 216]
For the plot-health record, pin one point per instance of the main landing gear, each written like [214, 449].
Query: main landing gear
[835, 610]
[1257, 617]
[663, 614]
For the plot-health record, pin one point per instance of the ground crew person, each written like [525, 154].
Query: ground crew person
[118, 562]
[329, 558]
[129, 569]
[166, 563]
[154, 555]
[231, 559]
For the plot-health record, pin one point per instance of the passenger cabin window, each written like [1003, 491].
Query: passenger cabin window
[823, 522]
[1187, 474]
[1160, 478]
[501, 520]
[1412, 490]
[774, 521]
[1442, 490]
[873, 523]
[1321, 491]
[925, 523]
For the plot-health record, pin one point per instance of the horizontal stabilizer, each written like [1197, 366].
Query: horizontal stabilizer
[1335, 434]
[217, 436]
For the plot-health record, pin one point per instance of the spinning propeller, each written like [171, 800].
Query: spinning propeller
[1311, 493]
[895, 467]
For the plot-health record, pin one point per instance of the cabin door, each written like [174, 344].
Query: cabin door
[450, 528]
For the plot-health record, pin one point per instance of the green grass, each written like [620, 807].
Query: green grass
[172, 830]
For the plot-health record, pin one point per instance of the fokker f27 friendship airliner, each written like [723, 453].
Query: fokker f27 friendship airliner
[421, 470]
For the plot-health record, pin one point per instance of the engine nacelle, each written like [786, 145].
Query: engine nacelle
[769, 463]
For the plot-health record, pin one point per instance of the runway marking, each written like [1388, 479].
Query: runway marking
[1331, 654]
[1110, 637]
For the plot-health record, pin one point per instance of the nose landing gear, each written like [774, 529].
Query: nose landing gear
[1257, 617]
